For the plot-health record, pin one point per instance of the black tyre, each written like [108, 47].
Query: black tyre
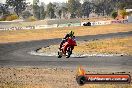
[59, 56]
[81, 80]
[69, 52]
[67, 56]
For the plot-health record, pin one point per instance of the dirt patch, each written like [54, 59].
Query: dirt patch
[96, 19]
[28, 35]
[33, 77]
[38, 77]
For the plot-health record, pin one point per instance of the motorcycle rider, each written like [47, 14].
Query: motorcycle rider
[71, 34]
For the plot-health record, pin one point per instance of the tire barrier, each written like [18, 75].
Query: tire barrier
[17, 28]
[107, 22]
[95, 23]
[119, 21]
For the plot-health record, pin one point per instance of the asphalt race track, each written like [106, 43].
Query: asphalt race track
[15, 54]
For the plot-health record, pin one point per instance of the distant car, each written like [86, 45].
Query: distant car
[87, 24]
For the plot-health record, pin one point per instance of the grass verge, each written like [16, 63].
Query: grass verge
[121, 46]
[106, 46]
[28, 35]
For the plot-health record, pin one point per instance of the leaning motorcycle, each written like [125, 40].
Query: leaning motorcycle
[67, 48]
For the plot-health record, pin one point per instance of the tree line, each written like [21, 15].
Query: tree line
[73, 8]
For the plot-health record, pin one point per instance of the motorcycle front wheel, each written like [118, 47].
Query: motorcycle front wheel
[69, 52]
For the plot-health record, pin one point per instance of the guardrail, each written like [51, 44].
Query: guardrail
[21, 27]
[25, 25]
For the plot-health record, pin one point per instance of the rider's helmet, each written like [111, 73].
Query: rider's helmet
[71, 34]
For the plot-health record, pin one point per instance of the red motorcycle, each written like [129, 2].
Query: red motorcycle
[67, 48]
